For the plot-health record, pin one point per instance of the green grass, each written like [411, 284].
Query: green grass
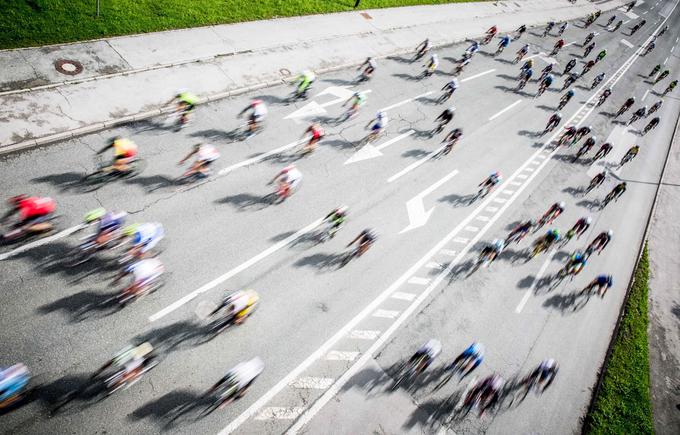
[623, 404]
[26, 23]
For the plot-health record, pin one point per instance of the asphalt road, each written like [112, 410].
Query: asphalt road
[322, 329]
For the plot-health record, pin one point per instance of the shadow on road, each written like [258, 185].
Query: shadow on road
[172, 409]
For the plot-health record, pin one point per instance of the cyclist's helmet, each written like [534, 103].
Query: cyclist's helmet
[381, 114]
[558, 115]
[561, 204]
[95, 214]
[555, 232]
[570, 93]
[589, 220]
[115, 139]
[610, 233]
[342, 210]
[530, 63]
[532, 222]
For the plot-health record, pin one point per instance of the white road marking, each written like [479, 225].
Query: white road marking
[483, 73]
[369, 151]
[645, 95]
[335, 388]
[461, 240]
[508, 192]
[433, 265]
[403, 296]
[499, 200]
[472, 229]
[236, 270]
[386, 314]
[360, 334]
[260, 157]
[414, 165]
[312, 383]
[337, 355]
[408, 100]
[531, 288]
[522, 176]
[40, 242]
[672, 48]
[419, 281]
[505, 110]
[483, 218]
[625, 22]
[535, 162]
[645, 13]
[516, 183]
[279, 413]
[664, 62]
[570, 43]
[529, 170]
[448, 252]
[626, 43]
[415, 207]
[493, 209]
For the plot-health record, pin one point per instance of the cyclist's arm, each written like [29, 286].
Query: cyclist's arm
[188, 156]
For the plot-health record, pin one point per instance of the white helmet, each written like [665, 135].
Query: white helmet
[589, 220]
[610, 233]
[562, 204]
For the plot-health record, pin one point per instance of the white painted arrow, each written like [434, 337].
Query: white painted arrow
[369, 151]
[309, 110]
[417, 214]
[314, 109]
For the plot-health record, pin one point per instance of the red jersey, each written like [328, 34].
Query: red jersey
[34, 206]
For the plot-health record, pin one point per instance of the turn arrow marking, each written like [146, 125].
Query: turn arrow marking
[415, 207]
[369, 151]
[313, 109]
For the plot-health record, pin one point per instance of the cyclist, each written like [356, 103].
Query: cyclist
[662, 31]
[109, 225]
[358, 99]
[545, 84]
[364, 240]
[581, 132]
[524, 77]
[589, 38]
[522, 52]
[544, 374]
[587, 67]
[568, 135]
[656, 106]
[186, 103]
[618, 190]
[603, 151]
[649, 48]
[493, 250]
[630, 154]
[432, 65]
[549, 238]
[587, 145]
[597, 80]
[304, 83]
[662, 76]
[655, 70]
[626, 105]
[423, 48]
[129, 364]
[471, 50]
[491, 181]
[526, 66]
[565, 99]
[143, 237]
[445, 117]
[569, 66]
[124, 152]
[368, 68]
[618, 24]
[336, 219]
[258, 112]
[315, 132]
[451, 139]
[520, 232]
[597, 180]
[13, 383]
[639, 113]
[603, 97]
[576, 263]
[34, 213]
[520, 30]
[490, 34]
[288, 180]
[571, 78]
[488, 392]
[581, 226]
[611, 20]
[378, 124]
[602, 283]
[630, 5]
[470, 359]
[553, 212]
[557, 47]
[563, 27]
[600, 242]
[601, 55]
[670, 87]
[237, 306]
[504, 42]
[450, 87]
[206, 154]
[240, 377]
[651, 125]
[553, 122]
[548, 28]
[545, 71]
[588, 49]
[144, 273]
[426, 354]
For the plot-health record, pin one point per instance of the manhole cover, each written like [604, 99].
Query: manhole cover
[284, 72]
[68, 67]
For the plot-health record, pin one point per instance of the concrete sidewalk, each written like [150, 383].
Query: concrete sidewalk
[59, 92]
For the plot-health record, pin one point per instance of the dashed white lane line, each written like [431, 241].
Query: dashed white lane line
[493, 209]
[672, 48]
[570, 43]
[516, 183]
[626, 22]
[403, 296]
[406, 101]
[448, 252]
[499, 200]
[665, 61]
[386, 314]
[236, 270]
[460, 240]
[279, 413]
[522, 176]
[645, 13]
[418, 280]
[626, 43]
[433, 265]
[338, 355]
[645, 95]
[472, 229]
[530, 290]
[505, 110]
[529, 169]
[40, 242]
[364, 334]
[483, 73]
[312, 383]
[483, 218]
[508, 192]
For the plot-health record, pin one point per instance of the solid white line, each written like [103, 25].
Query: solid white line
[403, 296]
[382, 146]
[478, 75]
[312, 383]
[260, 157]
[664, 62]
[408, 100]
[337, 355]
[531, 288]
[359, 334]
[236, 270]
[419, 281]
[414, 165]
[645, 95]
[386, 314]
[505, 110]
[626, 43]
[279, 413]
[40, 242]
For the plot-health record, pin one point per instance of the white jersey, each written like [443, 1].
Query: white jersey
[260, 110]
[246, 372]
[207, 153]
[239, 301]
[146, 269]
[148, 235]
[293, 176]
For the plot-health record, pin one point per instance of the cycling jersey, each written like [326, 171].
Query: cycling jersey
[33, 207]
[207, 153]
[188, 99]
[475, 350]
[145, 270]
[292, 176]
[124, 148]
[505, 41]
[244, 373]
[12, 380]
[604, 279]
[259, 109]
[317, 132]
[111, 220]
[148, 235]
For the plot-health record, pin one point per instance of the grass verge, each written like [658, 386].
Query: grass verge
[623, 404]
[26, 23]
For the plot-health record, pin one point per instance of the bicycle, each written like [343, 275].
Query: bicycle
[627, 158]
[607, 200]
[409, 371]
[105, 172]
[541, 89]
[452, 369]
[592, 186]
[444, 96]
